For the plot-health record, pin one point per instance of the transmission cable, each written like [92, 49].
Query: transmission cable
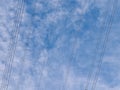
[90, 74]
[12, 50]
[108, 28]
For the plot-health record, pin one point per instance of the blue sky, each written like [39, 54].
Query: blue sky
[58, 44]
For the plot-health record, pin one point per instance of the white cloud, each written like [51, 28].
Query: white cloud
[24, 64]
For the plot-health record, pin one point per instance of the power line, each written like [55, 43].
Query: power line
[108, 28]
[88, 81]
[96, 50]
[12, 49]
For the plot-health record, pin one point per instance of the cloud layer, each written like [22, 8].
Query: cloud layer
[56, 44]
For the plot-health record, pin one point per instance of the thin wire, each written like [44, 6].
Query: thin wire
[66, 79]
[44, 63]
[22, 64]
[104, 46]
[90, 74]
[12, 49]
[8, 71]
[41, 73]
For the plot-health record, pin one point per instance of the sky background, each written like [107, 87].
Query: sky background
[59, 44]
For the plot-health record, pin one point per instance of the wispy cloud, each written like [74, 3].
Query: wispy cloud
[56, 45]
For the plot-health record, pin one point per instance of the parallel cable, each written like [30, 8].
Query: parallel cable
[108, 28]
[90, 74]
[12, 50]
